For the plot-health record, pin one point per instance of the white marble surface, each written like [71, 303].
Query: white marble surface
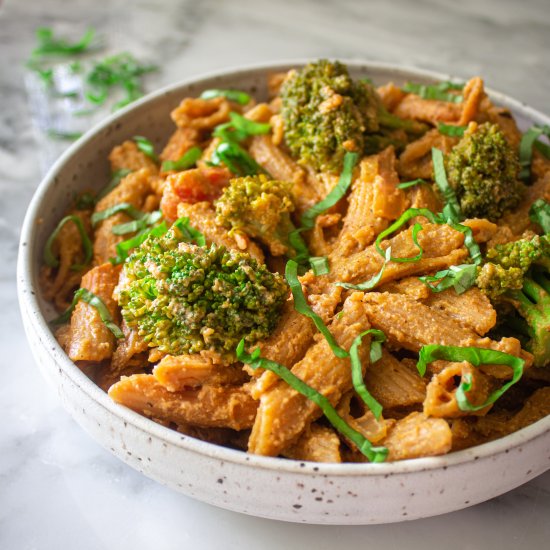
[58, 489]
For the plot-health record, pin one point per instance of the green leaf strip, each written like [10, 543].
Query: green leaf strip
[96, 302]
[529, 139]
[451, 130]
[412, 183]
[460, 277]
[186, 161]
[146, 147]
[301, 306]
[438, 92]
[539, 213]
[242, 98]
[123, 248]
[476, 357]
[49, 257]
[373, 454]
[378, 337]
[189, 233]
[339, 190]
[125, 207]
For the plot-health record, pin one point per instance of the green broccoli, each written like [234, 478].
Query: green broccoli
[259, 207]
[483, 170]
[517, 273]
[184, 298]
[326, 113]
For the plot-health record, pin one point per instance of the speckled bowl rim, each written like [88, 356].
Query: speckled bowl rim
[31, 310]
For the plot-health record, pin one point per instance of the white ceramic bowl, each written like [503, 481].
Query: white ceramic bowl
[268, 487]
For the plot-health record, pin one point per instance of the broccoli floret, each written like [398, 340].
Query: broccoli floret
[517, 273]
[326, 113]
[183, 298]
[483, 171]
[259, 207]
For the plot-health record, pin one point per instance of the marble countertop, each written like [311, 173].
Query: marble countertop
[58, 488]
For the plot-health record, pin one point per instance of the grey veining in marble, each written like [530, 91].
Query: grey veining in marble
[58, 489]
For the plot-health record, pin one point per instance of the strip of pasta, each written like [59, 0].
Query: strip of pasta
[209, 407]
[393, 384]
[316, 444]
[177, 373]
[90, 339]
[416, 435]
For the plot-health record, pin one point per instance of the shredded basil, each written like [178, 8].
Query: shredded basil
[460, 277]
[124, 247]
[61, 135]
[529, 139]
[121, 70]
[189, 232]
[403, 219]
[378, 337]
[85, 201]
[301, 306]
[98, 304]
[146, 147]
[438, 92]
[236, 159]
[451, 130]
[319, 265]
[242, 98]
[186, 161]
[146, 220]
[412, 183]
[240, 128]
[125, 207]
[373, 454]
[48, 44]
[452, 207]
[340, 189]
[373, 281]
[49, 258]
[476, 357]
[540, 214]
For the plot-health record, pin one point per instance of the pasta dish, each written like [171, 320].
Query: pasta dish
[340, 273]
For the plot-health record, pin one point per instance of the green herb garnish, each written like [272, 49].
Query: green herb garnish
[407, 184]
[301, 306]
[98, 304]
[242, 98]
[61, 135]
[48, 44]
[540, 214]
[476, 357]
[460, 277]
[49, 258]
[186, 161]
[146, 147]
[122, 71]
[124, 247]
[373, 454]
[377, 338]
[146, 220]
[451, 130]
[125, 207]
[319, 265]
[189, 232]
[529, 139]
[439, 91]
[236, 159]
[452, 207]
[309, 216]
[85, 201]
[373, 281]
